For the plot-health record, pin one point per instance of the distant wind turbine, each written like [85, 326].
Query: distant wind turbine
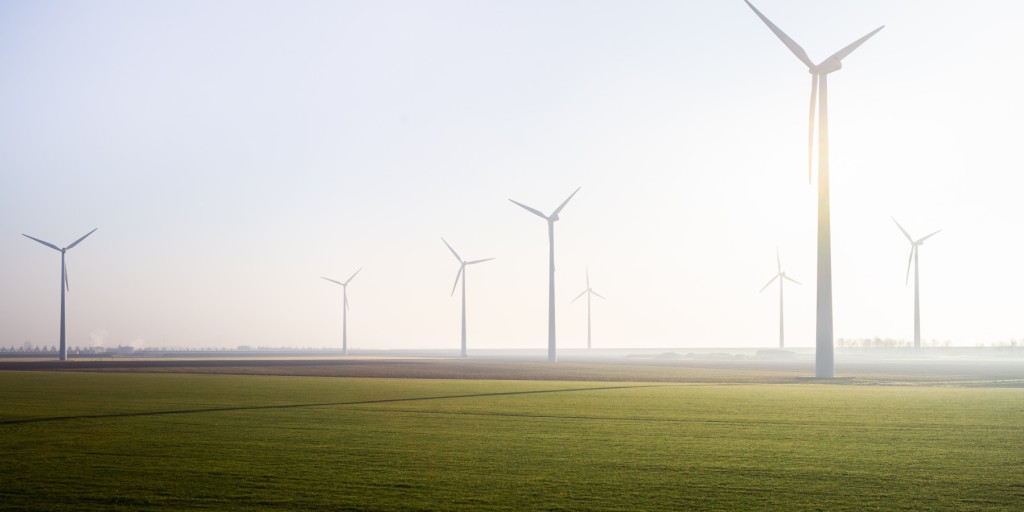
[344, 311]
[462, 274]
[824, 356]
[551, 268]
[63, 285]
[914, 251]
[781, 276]
[589, 291]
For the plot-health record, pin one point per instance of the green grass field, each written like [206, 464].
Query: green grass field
[99, 441]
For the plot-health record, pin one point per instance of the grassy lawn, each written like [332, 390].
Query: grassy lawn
[98, 441]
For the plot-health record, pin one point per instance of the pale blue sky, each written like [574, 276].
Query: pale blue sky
[233, 152]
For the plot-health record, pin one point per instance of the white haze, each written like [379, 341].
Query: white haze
[231, 153]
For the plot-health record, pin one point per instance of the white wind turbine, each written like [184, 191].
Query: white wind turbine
[914, 251]
[824, 356]
[781, 276]
[462, 274]
[589, 291]
[63, 285]
[344, 311]
[551, 268]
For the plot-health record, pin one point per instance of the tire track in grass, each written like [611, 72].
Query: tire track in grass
[47, 419]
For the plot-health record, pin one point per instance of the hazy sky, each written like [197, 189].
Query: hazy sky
[231, 153]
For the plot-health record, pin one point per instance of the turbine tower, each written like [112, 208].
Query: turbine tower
[824, 356]
[914, 251]
[462, 274]
[589, 291]
[63, 285]
[551, 268]
[344, 311]
[781, 276]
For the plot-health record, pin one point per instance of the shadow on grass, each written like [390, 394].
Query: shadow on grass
[297, 406]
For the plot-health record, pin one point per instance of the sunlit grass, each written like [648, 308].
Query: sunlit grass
[302, 443]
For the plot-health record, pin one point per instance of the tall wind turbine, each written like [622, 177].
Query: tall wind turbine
[781, 276]
[63, 285]
[462, 274]
[824, 356]
[589, 291]
[344, 311]
[551, 268]
[914, 251]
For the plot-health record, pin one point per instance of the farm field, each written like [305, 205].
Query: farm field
[172, 441]
[990, 371]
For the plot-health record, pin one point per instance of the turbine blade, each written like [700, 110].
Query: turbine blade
[531, 210]
[48, 244]
[810, 126]
[588, 278]
[598, 294]
[333, 281]
[903, 230]
[353, 275]
[76, 242]
[769, 282]
[927, 237]
[64, 271]
[794, 280]
[555, 213]
[452, 250]
[791, 44]
[457, 276]
[778, 260]
[909, 261]
[474, 262]
[841, 54]
[578, 296]
[346, 302]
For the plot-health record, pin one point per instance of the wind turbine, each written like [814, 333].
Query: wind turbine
[824, 356]
[781, 276]
[63, 285]
[589, 291]
[344, 311]
[914, 251]
[551, 267]
[462, 275]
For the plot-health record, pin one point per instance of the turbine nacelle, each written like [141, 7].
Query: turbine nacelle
[780, 274]
[914, 244]
[588, 291]
[550, 218]
[462, 265]
[829, 65]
